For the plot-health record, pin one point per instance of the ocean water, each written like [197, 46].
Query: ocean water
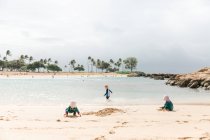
[90, 90]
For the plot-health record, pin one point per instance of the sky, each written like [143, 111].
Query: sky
[165, 36]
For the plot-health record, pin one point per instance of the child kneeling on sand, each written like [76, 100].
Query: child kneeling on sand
[168, 106]
[72, 109]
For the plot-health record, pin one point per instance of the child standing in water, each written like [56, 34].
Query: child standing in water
[108, 91]
[72, 109]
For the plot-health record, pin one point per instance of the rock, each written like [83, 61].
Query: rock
[184, 83]
[203, 70]
[140, 74]
[206, 85]
[148, 75]
[194, 84]
[172, 83]
[168, 82]
[132, 75]
[202, 83]
[200, 78]
[207, 88]
[158, 77]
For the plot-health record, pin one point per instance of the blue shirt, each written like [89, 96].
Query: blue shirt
[107, 94]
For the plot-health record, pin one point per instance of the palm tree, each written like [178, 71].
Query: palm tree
[69, 66]
[73, 62]
[49, 60]
[98, 64]
[45, 61]
[8, 53]
[26, 57]
[30, 59]
[4, 58]
[22, 57]
[94, 64]
[56, 62]
[92, 61]
[89, 59]
[65, 67]
[42, 61]
[111, 61]
[119, 63]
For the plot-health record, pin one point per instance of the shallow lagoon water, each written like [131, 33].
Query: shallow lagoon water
[90, 90]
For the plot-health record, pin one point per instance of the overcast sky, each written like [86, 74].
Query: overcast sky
[165, 35]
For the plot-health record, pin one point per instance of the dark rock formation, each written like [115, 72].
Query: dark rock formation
[183, 83]
[193, 84]
[160, 76]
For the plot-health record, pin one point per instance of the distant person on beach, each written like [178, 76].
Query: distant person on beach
[108, 91]
[72, 109]
[168, 106]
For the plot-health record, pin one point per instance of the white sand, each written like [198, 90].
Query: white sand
[136, 123]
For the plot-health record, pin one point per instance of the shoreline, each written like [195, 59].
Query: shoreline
[59, 74]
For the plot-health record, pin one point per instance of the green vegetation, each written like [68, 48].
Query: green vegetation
[28, 64]
[130, 63]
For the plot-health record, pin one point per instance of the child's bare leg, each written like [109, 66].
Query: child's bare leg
[66, 114]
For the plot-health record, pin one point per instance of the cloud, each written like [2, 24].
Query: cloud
[166, 36]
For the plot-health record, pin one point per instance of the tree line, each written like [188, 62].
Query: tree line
[29, 64]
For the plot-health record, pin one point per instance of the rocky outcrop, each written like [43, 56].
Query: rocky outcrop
[160, 76]
[192, 80]
[136, 74]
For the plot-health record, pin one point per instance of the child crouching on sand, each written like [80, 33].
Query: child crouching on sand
[72, 109]
[168, 106]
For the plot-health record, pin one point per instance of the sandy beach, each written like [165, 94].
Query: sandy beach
[191, 122]
[5, 74]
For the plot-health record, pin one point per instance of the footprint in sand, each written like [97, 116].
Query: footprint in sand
[154, 121]
[100, 138]
[181, 122]
[92, 121]
[3, 118]
[112, 132]
[58, 120]
[123, 124]
[197, 128]
[206, 135]
[203, 138]
[208, 120]
[184, 138]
